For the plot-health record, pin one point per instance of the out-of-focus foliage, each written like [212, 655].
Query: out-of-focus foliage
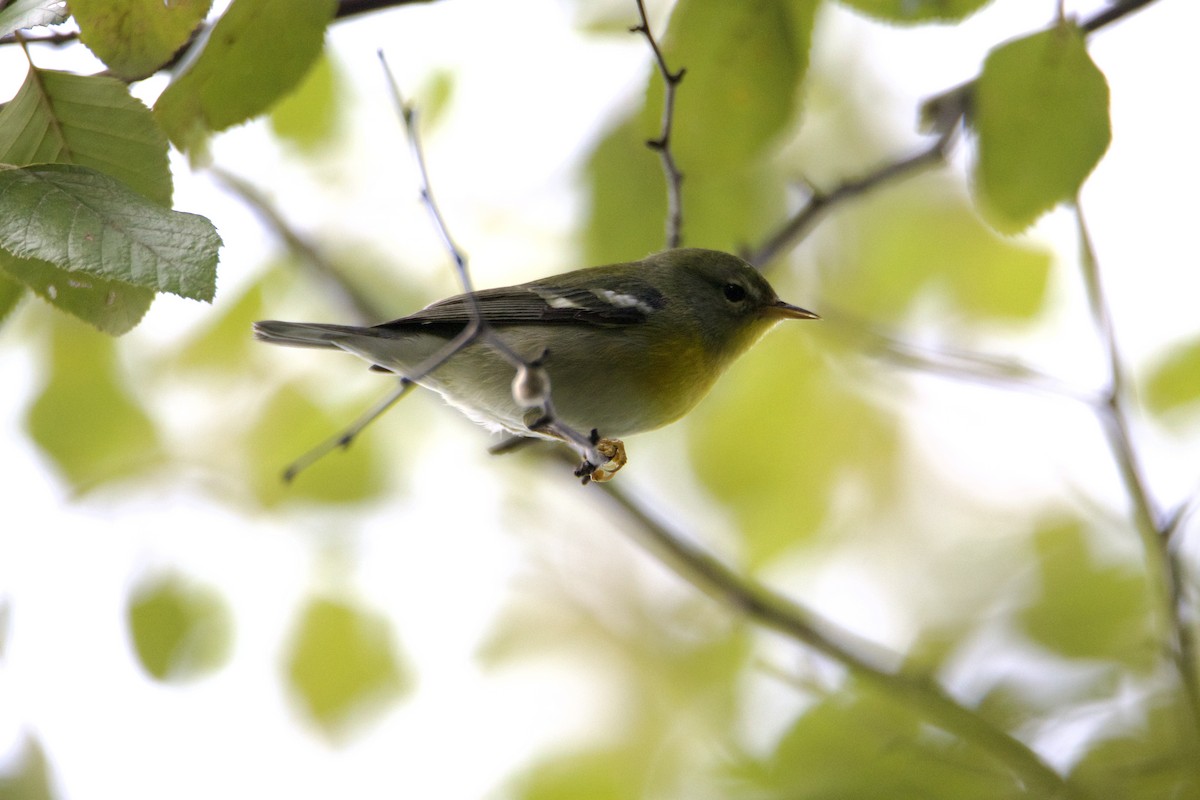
[914, 11]
[136, 37]
[308, 117]
[214, 91]
[84, 417]
[1174, 382]
[344, 666]
[1040, 110]
[179, 630]
[30, 779]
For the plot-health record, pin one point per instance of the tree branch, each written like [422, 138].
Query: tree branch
[662, 145]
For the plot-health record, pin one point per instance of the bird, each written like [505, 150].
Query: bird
[617, 349]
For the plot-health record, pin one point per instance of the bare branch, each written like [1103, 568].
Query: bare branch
[662, 145]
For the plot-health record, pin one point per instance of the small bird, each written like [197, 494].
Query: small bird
[618, 349]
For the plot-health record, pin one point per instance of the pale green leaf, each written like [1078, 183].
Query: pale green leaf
[179, 630]
[308, 116]
[21, 14]
[89, 120]
[257, 52]
[136, 37]
[1040, 112]
[111, 306]
[906, 12]
[343, 664]
[1174, 382]
[27, 773]
[84, 418]
[84, 221]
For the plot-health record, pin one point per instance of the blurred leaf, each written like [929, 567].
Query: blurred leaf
[110, 306]
[308, 116]
[1086, 609]
[224, 343]
[601, 774]
[256, 52]
[11, 293]
[917, 238]
[857, 745]
[778, 434]
[84, 419]
[745, 63]
[84, 221]
[136, 37]
[343, 664]
[1040, 111]
[434, 96]
[1152, 760]
[1174, 382]
[89, 120]
[912, 11]
[290, 425]
[30, 780]
[180, 631]
[21, 14]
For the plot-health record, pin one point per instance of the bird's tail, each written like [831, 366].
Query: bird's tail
[302, 334]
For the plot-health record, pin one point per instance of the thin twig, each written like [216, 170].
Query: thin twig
[1163, 563]
[532, 371]
[865, 660]
[662, 145]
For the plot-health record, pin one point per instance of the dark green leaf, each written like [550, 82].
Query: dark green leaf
[136, 37]
[1041, 114]
[21, 14]
[84, 419]
[111, 306]
[1174, 382]
[257, 52]
[89, 120]
[179, 630]
[913, 11]
[84, 221]
[11, 293]
[343, 664]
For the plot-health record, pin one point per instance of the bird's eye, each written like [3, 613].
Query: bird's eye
[734, 292]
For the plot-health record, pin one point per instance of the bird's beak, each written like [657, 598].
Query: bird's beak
[782, 310]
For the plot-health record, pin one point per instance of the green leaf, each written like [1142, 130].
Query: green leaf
[779, 432]
[291, 424]
[21, 14]
[136, 37]
[1174, 382]
[257, 52]
[114, 307]
[1041, 115]
[84, 221]
[308, 116]
[28, 775]
[180, 630]
[602, 774]
[343, 664]
[1088, 609]
[89, 120]
[906, 12]
[84, 419]
[11, 293]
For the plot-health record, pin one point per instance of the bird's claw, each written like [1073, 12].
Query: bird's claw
[611, 449]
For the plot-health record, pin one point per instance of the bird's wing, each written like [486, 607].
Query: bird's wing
[626, 300]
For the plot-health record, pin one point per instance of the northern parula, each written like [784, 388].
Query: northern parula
[627, 347]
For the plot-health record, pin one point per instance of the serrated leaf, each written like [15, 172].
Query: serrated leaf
[136, 37]
[84, 418]
[90, 120]
[1086, 609]
[1040, 112]
[343, 664]
[257, 52]
[1174, 382]
[84, 221]
[906, 12]
[179, 630]
[21, 14]
[308, 116]
[110, 306]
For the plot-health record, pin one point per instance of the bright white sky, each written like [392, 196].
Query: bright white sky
[65, 567]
